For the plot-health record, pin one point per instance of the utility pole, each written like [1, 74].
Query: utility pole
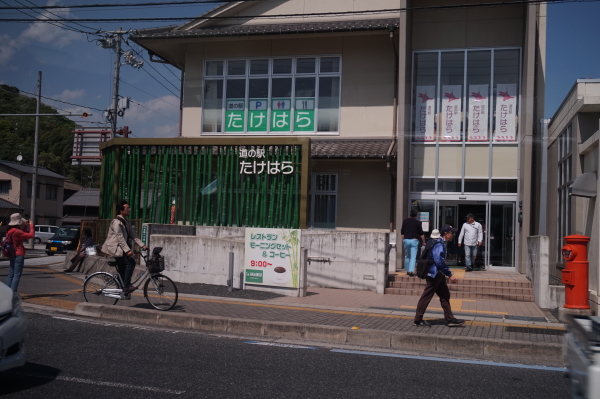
[35, 153]
[115, 101]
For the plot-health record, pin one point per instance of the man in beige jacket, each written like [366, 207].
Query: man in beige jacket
[119, 243]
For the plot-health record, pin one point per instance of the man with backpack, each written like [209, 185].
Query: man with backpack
[119, 243]
[12, 247]
[436, 278]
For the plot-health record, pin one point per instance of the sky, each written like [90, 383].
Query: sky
[80, 72]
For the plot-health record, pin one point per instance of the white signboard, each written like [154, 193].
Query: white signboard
[478, 113]
[451, 108]
[425, 113]
[272, 257]
[506, 111]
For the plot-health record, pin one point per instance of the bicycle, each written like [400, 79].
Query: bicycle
[159, 290]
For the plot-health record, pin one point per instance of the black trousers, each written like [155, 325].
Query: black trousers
[437, 286]
[125, 266]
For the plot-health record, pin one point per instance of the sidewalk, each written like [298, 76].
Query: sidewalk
[513, 329]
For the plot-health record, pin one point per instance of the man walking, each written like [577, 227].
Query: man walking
[412, 234]
[473, 236]
[436, 279]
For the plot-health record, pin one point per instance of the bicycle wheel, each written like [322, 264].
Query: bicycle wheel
[161, 292]
[96, 287]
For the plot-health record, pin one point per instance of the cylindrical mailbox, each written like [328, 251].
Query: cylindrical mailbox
[575, 273]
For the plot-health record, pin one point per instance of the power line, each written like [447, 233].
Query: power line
[151, 66]
[151, 95]
[49, 12]
[59, 25]
[158, 81]
[49, 98]
[150, 109]
[303, 15]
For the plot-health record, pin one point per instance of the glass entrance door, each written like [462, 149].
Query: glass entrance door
[501, 237]
[448, 214]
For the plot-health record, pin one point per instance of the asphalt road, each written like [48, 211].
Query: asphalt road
[74, 358]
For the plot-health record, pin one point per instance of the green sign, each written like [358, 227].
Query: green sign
[257, 115]
[304, 115]
[254, 276]
[234, 115]
[281, 115]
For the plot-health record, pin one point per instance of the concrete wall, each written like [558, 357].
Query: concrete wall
[356, 259]
[546, 296]
[467, 27]
[364, 191]
[367, 76]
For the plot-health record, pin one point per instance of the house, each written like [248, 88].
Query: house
[83, 204]
[16, 188]
[573, 185]
[426, 105]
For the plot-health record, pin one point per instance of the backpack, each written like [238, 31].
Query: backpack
[425, 262]
[8, 248]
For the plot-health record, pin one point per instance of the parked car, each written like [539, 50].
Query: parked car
[13, 327]
[65, 239]
[43, 233]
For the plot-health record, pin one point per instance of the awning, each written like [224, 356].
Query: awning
[352, 148]
[585, 185]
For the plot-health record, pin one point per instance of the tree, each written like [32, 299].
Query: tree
[55, 142]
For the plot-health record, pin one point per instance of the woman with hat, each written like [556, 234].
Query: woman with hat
[16, 234]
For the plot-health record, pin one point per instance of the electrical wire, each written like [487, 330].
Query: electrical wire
[150, 109]
[158, 81]
[151, 95]
[53, 99]
[150, 65]
[119, 5]
[313, 15]
[58, 25]
[49, 12]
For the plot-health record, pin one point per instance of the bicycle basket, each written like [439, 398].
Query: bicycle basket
[156, 264]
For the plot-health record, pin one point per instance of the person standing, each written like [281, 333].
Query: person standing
[473, 237]
[16, 234]
[436, 279]
[412, 235]
[119, 243]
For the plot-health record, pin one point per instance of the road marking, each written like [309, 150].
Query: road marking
[447, 360]
[60, 275]
[100, 383]
[279, 345]
[118, 325]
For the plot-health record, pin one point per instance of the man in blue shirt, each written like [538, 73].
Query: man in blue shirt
[436, 279]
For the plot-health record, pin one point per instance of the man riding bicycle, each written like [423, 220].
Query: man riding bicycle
[119, 243]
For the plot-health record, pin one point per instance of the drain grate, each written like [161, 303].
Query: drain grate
[532, 330]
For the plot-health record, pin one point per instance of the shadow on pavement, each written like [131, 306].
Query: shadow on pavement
[29, 376]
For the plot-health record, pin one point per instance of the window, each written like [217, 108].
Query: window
[323, 200]
[565, 179]
[277, 95]
[37, 191]
[464, 121]
[51, 192]
[4, 186]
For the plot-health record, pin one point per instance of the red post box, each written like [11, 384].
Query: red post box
[575, 273]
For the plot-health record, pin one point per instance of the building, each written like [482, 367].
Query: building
[433, 106]
[16, 188]
[83, 204]
[572, 190]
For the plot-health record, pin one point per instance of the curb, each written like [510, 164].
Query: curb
[433, 344]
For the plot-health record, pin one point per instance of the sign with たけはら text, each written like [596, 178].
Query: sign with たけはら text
[272, 257]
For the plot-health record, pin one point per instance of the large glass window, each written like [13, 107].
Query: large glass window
[465, 120]
[279, 95]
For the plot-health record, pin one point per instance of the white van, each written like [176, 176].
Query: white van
[43, 233]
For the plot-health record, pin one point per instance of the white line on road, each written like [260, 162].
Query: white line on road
[279, 345]
[101, 383]
[117, 325]
[441, 359]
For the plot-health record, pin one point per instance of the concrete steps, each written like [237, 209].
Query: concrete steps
[467, 288]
